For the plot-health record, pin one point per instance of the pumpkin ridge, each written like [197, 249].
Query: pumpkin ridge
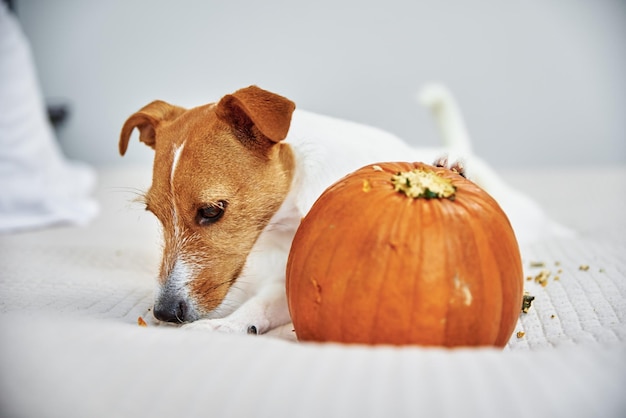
[426, 250]
[415, 296]
[450, 213]
[317, 238]
[400, 208]
[488, 262]
[510, 289]
[430, 290]
[483, 229]
[491, 228]
[356, 274]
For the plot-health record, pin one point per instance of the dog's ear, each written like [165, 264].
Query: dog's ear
[147, 120]
[254, 107]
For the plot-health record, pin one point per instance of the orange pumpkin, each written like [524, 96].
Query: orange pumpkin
[376, 262]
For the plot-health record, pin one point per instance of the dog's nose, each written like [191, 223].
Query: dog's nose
[171, 311]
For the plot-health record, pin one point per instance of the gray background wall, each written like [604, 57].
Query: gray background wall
[541, 82]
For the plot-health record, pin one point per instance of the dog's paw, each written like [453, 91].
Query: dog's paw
[457, 166]
[222, 325]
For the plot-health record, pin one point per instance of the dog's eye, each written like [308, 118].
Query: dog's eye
[211, 213]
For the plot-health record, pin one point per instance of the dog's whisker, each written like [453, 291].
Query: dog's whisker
[139, 194]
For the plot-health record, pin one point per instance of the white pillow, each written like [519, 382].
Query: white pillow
[38, 186]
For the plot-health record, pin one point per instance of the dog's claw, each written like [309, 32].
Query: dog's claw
[457, 166]
[441, 162]
[222, 325]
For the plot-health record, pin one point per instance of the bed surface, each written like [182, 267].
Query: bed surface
[70, 344]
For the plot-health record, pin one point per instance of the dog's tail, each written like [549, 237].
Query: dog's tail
[448, 118]
[527, 218]
[456, 139]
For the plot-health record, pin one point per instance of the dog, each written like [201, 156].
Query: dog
[232, 180]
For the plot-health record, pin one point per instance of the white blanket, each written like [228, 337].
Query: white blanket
[70, 344]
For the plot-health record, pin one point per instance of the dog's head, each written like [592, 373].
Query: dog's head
[220, 173]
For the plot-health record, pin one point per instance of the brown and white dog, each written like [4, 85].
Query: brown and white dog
[232, 180]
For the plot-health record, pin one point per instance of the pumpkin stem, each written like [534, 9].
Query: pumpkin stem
[422, 183]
